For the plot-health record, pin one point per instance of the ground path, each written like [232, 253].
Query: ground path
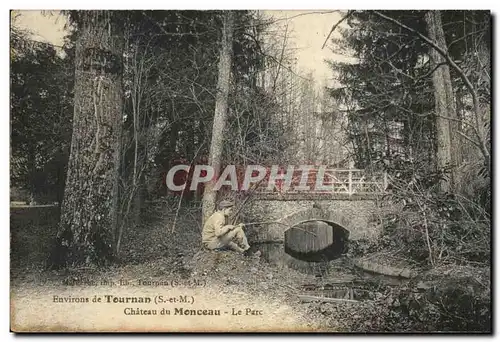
[34, 309]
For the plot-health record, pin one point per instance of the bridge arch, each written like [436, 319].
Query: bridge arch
[316, 214]
[315, 235]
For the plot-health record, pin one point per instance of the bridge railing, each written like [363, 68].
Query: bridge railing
[336, 181]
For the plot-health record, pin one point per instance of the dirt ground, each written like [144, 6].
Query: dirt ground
[252, 294]
[157, 251]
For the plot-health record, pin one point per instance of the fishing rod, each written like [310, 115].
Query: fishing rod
[261, 223]
[277, 222]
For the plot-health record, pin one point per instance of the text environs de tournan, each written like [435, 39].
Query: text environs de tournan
[160, 299]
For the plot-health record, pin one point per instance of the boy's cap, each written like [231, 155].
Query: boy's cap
[226, 204]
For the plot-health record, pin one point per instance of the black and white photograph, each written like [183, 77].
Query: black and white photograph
[243, 171]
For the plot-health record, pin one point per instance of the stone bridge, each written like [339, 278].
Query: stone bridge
[353, 203]
[358, 216]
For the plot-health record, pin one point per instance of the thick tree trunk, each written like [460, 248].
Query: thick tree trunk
[220, 118]
[446, 124]
[89, 209]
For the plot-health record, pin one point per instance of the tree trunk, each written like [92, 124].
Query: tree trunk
[89, 209]
[446, 126]
[139, 199]
[174, 138]
[32, 176]
[190, 143]
[220, 118]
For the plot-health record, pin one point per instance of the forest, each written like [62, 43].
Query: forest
[97, 123]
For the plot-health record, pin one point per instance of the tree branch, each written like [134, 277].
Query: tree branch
[470, 139]
[434, 46]
[281, 57]
[349, 13]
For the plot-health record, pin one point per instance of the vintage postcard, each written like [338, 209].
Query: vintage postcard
[250, 171]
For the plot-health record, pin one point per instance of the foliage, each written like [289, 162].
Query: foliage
[253, 137]
[436, 228]
[386, 90]
[170, 70]
[385, 93]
